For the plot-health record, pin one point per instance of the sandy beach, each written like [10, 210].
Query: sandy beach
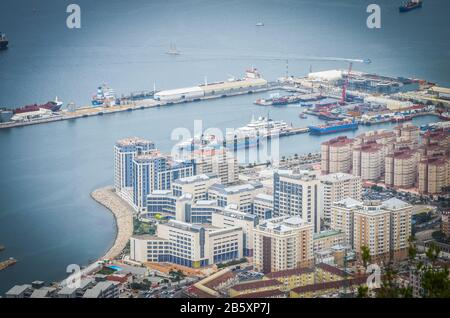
[123, 214]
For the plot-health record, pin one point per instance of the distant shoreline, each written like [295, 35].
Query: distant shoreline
[123, 214]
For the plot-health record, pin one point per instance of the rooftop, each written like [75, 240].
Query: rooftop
[348, 203]
[195, 178]
[264, 294]
[395, 204]
[256, 285]
[290, 272]
[131, 141]
[339, 176]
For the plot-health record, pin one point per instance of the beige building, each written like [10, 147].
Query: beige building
[384, 227]
[342, 213]
[197, 185]
[372, 226]
[401, 169]
[325, 240]
[283, 243]
[446, 222]
[408, 132]
[381, 136]
[337, 155]
[240, 195]
[368, 161]
[439, 138]
[263, 206]
[219, 162]
[400, 224]
[188, 244]
[434, 174]
[336, 187]
[230, 218]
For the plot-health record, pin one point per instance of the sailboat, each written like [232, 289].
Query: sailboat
[173, 50]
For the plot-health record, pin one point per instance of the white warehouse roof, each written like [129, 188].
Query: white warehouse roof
[180, 91]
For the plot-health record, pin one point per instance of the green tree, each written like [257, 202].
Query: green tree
[412, 250]
[433, 252]
[365, 255]
[389, 288]
[436, 283]
[363, 291]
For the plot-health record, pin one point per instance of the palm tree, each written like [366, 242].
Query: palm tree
[365, 255]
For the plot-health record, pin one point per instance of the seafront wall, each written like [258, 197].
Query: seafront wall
[123, 214]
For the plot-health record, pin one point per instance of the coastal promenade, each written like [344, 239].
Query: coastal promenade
[123, 214]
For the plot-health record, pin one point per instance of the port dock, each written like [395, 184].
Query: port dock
[130, 105]
[9, 262]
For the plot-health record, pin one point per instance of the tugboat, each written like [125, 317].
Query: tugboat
[3, 41]
[410, 5]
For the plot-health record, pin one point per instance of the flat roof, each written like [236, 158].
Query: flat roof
[257, 284]
[18, 289]
[184, 90]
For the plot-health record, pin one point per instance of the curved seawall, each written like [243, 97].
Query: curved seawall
[123, 214]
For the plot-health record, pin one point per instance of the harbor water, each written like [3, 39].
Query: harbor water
[47, 218]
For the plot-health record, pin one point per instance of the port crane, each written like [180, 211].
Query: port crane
[344, 88]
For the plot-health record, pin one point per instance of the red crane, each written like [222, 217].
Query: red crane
[344, 88]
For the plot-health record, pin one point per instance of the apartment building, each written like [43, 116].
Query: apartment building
[342, 214]
[219, 162]
[124, 152]
[368, 161]
[241, 195]
[196, 185]
[263, 206]
[283, 243]
[372, 228]
[336, 187]
[434, 175]
[401, 169]
[296, 193]
[400, 227]
[155, 171]
[336, 155]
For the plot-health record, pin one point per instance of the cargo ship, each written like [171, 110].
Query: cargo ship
[410, 5]
[105, 96]
[333, 127]
[54, 106]
[3, 41]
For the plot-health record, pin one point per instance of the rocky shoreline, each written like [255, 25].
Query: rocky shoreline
[123, 214]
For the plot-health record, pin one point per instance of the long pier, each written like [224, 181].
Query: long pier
[128, 105]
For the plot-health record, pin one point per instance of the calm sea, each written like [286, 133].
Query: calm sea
[47, 219]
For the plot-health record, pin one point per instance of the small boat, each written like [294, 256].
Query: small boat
[2, 248]
[302, 116]
[3, 41]
[260, 24]
[445, 116]
[173, 50]
[410, 5]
